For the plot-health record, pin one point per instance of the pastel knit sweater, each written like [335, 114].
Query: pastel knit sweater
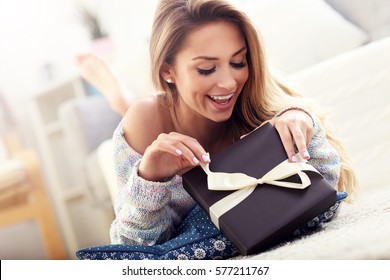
[148, 212]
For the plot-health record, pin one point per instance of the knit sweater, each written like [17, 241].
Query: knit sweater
[148, 212]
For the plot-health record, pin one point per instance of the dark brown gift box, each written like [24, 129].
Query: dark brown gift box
[271, 213]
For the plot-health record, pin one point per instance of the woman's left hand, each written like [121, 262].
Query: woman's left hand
[294, 126]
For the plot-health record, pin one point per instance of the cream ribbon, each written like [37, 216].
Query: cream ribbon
[245, 185]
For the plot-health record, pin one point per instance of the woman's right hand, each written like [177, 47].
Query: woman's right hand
[171, 154]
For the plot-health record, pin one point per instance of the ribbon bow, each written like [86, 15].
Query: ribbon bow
[245, 185]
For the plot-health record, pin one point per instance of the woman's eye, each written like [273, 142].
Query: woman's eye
[206, 71]
[238, 65]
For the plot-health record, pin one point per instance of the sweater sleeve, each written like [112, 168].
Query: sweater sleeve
[323, 156]
[143, 209]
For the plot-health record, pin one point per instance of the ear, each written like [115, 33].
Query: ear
[167, 73]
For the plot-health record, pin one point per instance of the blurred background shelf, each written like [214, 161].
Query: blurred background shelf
[82, 222]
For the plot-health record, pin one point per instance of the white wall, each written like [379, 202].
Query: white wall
[35, 34]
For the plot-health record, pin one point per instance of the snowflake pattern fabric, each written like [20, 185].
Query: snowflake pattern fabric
[197, 239]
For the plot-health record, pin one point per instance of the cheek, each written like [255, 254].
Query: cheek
[242, 77]
[200, 84]
[192, 88]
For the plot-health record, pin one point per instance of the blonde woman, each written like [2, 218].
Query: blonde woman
[214, 87]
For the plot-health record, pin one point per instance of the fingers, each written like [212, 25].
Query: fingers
[299, 137]
[169, 155]
[182, 145]
[186, 152]
[294, 127]
[287, 141]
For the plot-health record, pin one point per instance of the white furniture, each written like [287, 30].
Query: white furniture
[82, 223]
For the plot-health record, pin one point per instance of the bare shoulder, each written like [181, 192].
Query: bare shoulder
[144, 121]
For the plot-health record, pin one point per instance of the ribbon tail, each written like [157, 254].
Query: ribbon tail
[225, 204]
[287, 169]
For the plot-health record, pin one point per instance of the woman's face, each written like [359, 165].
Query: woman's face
[210, 70]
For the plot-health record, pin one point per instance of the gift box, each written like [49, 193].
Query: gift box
[269, 211]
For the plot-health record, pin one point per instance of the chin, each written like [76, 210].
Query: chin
[220, 118]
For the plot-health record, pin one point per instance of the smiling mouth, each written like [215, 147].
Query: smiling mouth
[221, 99]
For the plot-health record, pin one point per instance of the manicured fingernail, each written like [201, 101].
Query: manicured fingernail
[196, 161]
[294, 159]
[179, 152]
[206, 158]
[306, 154]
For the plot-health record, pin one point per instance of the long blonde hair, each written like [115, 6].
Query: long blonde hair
[261, 97]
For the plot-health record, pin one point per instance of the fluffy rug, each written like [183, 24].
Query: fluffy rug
[360, 231]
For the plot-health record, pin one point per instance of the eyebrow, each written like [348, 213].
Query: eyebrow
[215, 58]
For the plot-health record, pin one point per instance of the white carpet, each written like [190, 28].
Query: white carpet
[360, 231]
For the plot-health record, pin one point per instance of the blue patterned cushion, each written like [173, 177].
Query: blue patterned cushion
[197, 238]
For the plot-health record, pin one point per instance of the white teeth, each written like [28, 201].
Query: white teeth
[225, 97]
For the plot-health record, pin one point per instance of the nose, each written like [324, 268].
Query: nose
[227, 80]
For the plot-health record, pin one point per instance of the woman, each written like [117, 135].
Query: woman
[208, 65]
